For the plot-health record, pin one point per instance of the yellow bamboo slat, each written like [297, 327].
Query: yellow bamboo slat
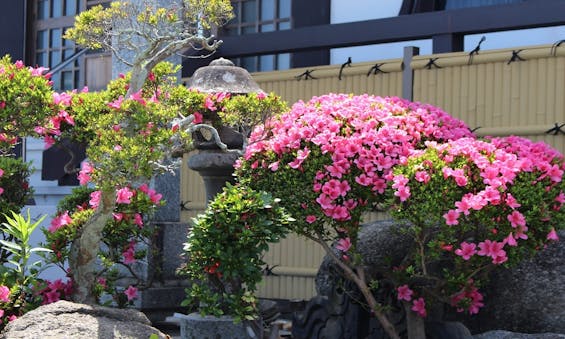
[523, 98]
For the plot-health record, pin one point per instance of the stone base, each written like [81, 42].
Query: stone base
[195, 326]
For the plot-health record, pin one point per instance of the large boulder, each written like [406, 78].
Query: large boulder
[513, 335]
[529, 298]
[63, 319]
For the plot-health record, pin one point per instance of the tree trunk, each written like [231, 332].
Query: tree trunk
[414, 323]
[85, 247]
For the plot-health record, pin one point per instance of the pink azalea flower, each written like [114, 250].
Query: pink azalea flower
[19, 64]
[419, 306]
[560, 198]
[102, 282]
[422, 176]
[403, 193]
[12, 318]
[118, 216]
[60, 221]
[516, 219]
[404, 293]
[138, 220]
[62, 98]
[95, 199]
[1, 172]
[123, 196]
[1, 313]
[144, 188]
[493, 249]
[129, 256]
[84, 174]
[466, 251]
[310, 219]
[510, 240]
[49, 141]
[36, 72]
[116, 104]
[451, 217]
[51, 297]
[552, 235]
[198, 118]
[511, 201]
[131, 293]
[210, 104]
[155, 197]
[274, 166]
[137, 96]
[261, 95]
[343, 244]
[4, 294]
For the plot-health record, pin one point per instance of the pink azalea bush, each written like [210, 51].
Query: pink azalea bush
[475, 205]
[331, 158]
[122, 236]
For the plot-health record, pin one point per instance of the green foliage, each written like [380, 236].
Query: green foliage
[25, 100]
[473, 206]
[244, 112]
[16, 191]
[120, 235]
[95, 27]
[225, 248]
[21, 276]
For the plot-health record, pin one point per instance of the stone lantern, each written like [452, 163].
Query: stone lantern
[214, 165]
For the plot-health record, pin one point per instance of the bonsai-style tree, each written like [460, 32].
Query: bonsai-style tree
[330, 160]
[118, 162]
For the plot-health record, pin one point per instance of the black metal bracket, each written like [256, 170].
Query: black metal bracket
[476, 50]
[183, 206]
[345, 64]
[515, 56]
[555, 46]
[432, 62]
[268, 271]
[475, 129]
[306, 75]
[556, 129]
[376, 69]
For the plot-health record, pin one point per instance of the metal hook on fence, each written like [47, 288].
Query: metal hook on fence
[556, 129]
[475, 129]
[476, 50]
[376, 69]
[269, 270]
[306, 75]
[515, 56]
[347, 63]
[432, 62]
[555, 46]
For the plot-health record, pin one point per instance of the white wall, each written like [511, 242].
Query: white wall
[47, 195]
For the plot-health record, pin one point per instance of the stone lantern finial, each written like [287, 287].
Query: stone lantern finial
[223, 76]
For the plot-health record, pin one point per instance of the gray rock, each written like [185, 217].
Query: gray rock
[195, 326]
[529, 298]
[381, 244]
[513, 335]
[447, 330]
[64, 319]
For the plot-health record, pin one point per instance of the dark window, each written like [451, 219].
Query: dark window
[53, 17]
[253, 16]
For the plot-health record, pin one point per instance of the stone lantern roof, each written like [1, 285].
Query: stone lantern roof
[223, 76]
